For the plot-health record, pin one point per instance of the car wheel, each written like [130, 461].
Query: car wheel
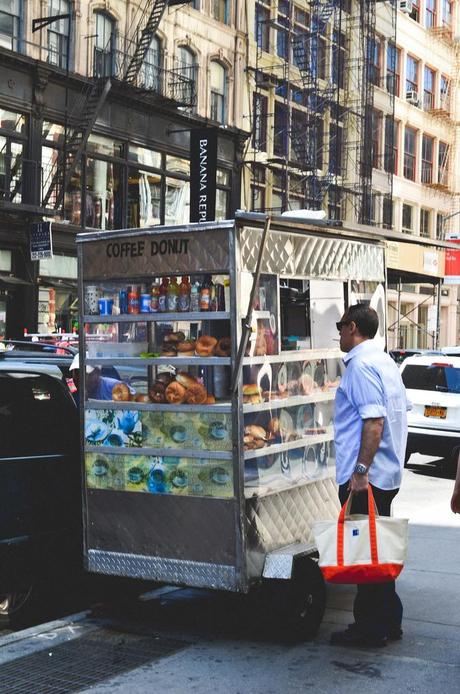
[15, 606]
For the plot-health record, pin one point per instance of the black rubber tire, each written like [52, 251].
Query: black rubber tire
[297, 605]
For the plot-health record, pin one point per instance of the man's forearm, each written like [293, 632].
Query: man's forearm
[371, 436]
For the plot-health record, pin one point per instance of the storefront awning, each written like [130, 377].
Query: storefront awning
[7, 278]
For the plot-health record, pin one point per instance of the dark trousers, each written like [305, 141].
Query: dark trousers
[377, 608]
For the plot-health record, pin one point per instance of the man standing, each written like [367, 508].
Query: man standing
[370, 426]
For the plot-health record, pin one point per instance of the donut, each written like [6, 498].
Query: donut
[185, 379]
[186, 346]
[175, 393]
[174, 337]
[223, 347]
[120, 392]
[142, 397]
[157, 392]
[196, 394]
[205, 346]
[210, 400]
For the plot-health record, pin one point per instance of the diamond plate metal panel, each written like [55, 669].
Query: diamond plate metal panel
[174, 571]
[280, 519]
[312, 256]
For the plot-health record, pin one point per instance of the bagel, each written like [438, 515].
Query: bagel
[174, 337]
[157, 392]
[175, 393]
[251, 389]
[196, 394]
[224, 347]
[186, 346]
[205, 346]
[255, 431]
[210, 400]
[120, 392]
[142, 397]
[185, 379]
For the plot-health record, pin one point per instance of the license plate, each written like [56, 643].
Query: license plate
[439, 412]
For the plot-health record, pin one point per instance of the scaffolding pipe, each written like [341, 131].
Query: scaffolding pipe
[398, 322]
[438, 315]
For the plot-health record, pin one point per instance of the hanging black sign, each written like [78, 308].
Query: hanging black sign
[203, 169]
[41, 241]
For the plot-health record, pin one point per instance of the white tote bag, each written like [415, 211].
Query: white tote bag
[359, 548]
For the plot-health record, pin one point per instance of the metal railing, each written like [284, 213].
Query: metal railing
[19, 178]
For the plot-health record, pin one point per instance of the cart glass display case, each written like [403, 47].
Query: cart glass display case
[199, 458]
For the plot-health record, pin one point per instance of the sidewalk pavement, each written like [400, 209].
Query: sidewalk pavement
[426, 660]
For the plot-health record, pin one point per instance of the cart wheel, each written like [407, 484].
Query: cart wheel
[297, 606]
[15, 607]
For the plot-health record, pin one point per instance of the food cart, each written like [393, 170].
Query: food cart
[214, 456]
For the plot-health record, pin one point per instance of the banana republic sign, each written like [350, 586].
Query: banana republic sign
[203, 169]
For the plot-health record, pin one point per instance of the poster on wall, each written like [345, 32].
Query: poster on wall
[41, 241]
[452, 268]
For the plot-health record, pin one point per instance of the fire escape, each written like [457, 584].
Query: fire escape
[126, 67]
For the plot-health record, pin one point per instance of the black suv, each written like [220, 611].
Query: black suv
[40, 490]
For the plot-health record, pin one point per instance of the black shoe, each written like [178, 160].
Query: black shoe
[395, 634]
[352, 637]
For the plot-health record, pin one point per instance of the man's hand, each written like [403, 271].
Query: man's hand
[455, 501]
[358, 483]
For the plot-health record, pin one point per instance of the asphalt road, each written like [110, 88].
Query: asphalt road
[211, 644]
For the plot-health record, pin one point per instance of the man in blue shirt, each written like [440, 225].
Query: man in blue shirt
[370, 424]
[98, 387]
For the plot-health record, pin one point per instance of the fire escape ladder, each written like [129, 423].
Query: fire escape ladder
[80, 129]
[143, 44]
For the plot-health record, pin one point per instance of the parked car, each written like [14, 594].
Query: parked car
[399, 355]
[40, 491]
[433, 387]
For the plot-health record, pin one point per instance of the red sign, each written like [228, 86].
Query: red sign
[452, 269]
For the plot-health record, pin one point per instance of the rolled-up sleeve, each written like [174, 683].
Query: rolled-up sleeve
[366, 392]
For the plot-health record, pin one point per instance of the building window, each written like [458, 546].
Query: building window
[393, 69]
[439, 226]
[282, 30]
[415, 14]
[219, 10]
[151, 73]
[223, 193]
[259, 116]
[412, 65]
[218, 92]
[188, 70]
[446, 13]
[338, 58]
[10, 17]
[280, 131]
[407, 219]
[258, 186]
[177, 191]
[376, 131]
[429, 84]
[444, 93]
[318, 48]
[262, 26]
[410, 150]
[387, 212]
[334, 203]
[375, 61]
[430, 14]
[335, 150]
[13, 168]
[391, 145]
[425, 217]
[427, 159]
[443, 164]
[104, 48]
[58, 33]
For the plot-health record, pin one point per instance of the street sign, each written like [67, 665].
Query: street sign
[41, 241]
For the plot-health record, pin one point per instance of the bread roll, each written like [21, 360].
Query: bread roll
[185, 379]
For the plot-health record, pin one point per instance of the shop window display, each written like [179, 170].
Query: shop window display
[103, 194]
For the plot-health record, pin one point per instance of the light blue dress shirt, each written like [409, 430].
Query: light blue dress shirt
[371, 387]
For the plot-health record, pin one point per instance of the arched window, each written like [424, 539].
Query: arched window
[151, 71]
[218, 92]
[188, 71]
[104, 45]
[58, 33]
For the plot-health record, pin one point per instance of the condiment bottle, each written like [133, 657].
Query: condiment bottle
[172, 296]
[184, 294]
[205, 295]
[133, 299]
[163, 291]
[195, 297]
[155, 300]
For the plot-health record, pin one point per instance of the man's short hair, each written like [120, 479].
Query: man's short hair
[365, 318]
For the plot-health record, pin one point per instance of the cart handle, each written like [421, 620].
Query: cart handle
[248, 320]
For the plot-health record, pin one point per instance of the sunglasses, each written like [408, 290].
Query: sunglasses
[341, 323]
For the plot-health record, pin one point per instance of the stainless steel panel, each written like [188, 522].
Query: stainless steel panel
[174, 571]
[278, 564]
[156, 253]
[285, 517]
[312, 256]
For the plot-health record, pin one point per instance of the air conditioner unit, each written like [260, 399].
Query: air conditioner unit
[412, 97]
[405, 6]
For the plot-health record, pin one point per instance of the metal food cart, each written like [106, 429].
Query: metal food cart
[220, 493]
